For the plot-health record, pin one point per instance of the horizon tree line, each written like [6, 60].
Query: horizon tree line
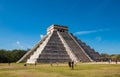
[7, 56]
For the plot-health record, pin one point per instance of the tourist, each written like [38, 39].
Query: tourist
[116, 61]
[69, 64]
[35, 64]
[51, 64]
[72, 64]
[109, 61]
[25, 65]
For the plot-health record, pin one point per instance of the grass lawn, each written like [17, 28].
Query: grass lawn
[62, 70]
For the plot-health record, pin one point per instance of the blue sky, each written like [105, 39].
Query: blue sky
[96, 22]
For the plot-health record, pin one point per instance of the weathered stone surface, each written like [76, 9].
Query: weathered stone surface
[60, 46]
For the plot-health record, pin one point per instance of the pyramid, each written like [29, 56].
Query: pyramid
[60, 46]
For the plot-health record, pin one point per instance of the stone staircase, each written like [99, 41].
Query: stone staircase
[60, 46]
[68, 49]
[95, 56]
[79, 53]
[37, 52]
[29, 53]
[54, 51]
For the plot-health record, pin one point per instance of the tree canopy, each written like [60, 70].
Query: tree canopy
[11, 55]
[112, 57]
[14, 55]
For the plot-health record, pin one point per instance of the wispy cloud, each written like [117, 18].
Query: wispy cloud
[18, 45]
[21, 45]
[90, 31]
[41, 36]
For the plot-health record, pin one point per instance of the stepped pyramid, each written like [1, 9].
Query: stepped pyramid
[60, 46]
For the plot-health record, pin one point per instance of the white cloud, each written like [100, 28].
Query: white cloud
[21, 45]
[41, 36]
[84, 32]
[90, 31]
[17, 42]
[18, 45]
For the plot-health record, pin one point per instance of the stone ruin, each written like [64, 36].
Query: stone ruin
[60, 46]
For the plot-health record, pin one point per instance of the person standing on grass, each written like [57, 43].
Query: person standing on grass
[25, 65]
[116, 61]
[69, 64]
[109, 61]
[72, 64]
[51, 64]
[35, 64]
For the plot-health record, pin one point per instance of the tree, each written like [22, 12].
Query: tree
[118, 57]
[11, 55]
[106, 56]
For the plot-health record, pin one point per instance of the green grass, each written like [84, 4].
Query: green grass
[62, 70]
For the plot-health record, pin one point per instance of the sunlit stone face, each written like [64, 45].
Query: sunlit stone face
[57, 28]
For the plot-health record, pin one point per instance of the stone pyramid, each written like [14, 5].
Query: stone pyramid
[60, 46]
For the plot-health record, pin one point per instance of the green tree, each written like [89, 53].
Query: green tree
[118, 57]
[11, 55]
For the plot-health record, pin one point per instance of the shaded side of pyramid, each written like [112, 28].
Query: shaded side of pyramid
[60, 46]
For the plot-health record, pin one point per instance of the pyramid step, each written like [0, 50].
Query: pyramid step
[74, 47]
[36, 54]
[54, 50]
[60, 46]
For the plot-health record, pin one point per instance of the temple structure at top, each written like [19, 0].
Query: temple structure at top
[60, 46]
